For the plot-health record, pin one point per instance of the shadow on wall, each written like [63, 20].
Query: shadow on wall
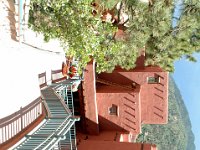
[140, 62]
[105, 124]
[10, 8]
[115, 77]
[91, 127]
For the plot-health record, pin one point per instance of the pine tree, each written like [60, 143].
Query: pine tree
[151, 25]
[85, 36]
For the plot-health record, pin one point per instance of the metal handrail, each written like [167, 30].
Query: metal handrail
[59, 137]
[49, 143]
[60, 88]
[53, 134]
[37, 129]
[44, 141]
[63, 103]
[59, 132]
[71, 99]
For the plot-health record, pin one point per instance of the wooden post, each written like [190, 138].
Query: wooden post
[21, 116]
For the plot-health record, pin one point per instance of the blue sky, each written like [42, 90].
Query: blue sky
[187, 77]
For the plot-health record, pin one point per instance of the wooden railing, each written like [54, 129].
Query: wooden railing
[42, 79]
[16, 122]
[56, 76]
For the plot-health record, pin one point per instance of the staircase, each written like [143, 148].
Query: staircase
[69, 98]
[65, 91]
[58, 130]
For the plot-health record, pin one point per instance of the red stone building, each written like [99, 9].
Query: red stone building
[108, 145]
[116, 104]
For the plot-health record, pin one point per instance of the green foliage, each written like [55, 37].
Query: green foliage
[107, 4]
[151, 26]
[82, 35]
[85, 37]
[177, 134]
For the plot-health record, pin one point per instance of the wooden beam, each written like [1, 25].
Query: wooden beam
[129, 87]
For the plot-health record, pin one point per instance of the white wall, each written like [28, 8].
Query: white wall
[19, 69]
[20, 64]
